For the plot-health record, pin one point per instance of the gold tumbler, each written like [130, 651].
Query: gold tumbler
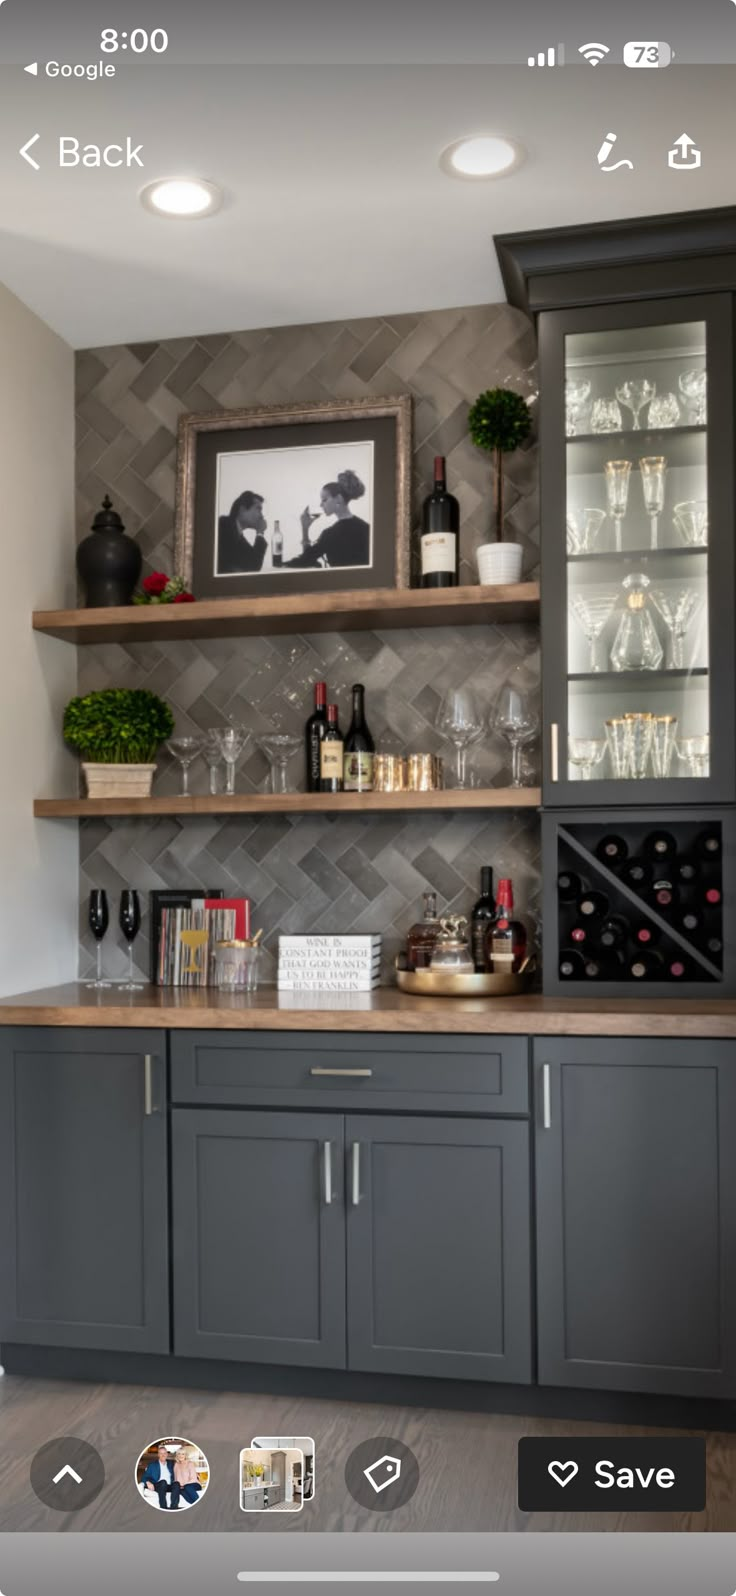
[389, 773]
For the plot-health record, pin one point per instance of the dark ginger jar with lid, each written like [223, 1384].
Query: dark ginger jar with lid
[108, 561]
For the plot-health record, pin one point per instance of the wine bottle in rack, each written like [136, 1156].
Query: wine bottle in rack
[709, 845]
[593, 905]
[678, 969]
[572, 965]
[569, 886]
[660, 845]
[690, 921]
[612, 850]
[439, 540]
[645, 936]
[579, 935]
[646, 966]
[714, 946]
[608, 968]
[637, 874]
[614, 932]
[688, 870]
[664, 893]
[713, 896]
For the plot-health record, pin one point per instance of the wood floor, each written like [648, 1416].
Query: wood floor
[467, 1461]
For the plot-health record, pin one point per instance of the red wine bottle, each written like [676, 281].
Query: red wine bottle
[614, 932]
[579, 935]
[572, 965]
[331, 754]
[359, 747]
[612, 850]
[439, 541]
[713, 896]
[645, 936]
[660, 845]
[637, 874]
[482, 919]
[663, 893]
[593, 905]
[678, 969]
[569, 886]
[314, 732]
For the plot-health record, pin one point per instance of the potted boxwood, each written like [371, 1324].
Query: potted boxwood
[117, 732]
[499, 421]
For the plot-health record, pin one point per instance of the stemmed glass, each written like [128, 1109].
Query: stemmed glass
[515, 718]
[617, 473]
[231, 740]
[585, 753]
[691, 519]
[678, 609]
[593, 610]
[693, 387]
[653, 470]
[130, 924]
[184, 751]
[212, 756]
[635, 394]
[460, 721]
[583, 528]
[577, 394]
[98, 919]
[695, 753]
[279, 748]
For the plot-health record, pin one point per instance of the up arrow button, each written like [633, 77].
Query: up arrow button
[70, 1471]
[684, 155]
[26, 156]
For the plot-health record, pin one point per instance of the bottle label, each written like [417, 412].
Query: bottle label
[330, 760]
[358, 774]
[439, 552]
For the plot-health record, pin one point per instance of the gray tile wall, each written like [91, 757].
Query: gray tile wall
[320, 872]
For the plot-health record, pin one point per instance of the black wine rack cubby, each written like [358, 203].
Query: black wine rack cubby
[652, 912]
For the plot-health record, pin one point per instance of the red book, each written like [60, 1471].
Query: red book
[242, 914]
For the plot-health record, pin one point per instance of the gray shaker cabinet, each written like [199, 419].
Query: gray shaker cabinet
[83, 1189]
[636, 1215]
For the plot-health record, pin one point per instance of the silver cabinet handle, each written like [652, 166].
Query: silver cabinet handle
[356, 1173]
[328, 1173]
[322, 1070]
[546, 1097]
[554, 751]
[148, 1107]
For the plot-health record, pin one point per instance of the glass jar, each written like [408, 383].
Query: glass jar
[236, 966]
[452, 955]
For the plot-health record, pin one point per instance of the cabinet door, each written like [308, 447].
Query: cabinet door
[439, 1247]
[638, 552]
[84, 1184]
[259, 1236]
[636, 1215]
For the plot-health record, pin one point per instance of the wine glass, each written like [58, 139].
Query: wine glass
[592, 610]
[583, 528]
[231, 740]
[212, 756]
[691, 519]
[617, 473]
[634, 395]
[693, 387]
[279, 748]
[606, 416]
[678, 609]
[653, 471]
[515, 718]
[460, 721]
[577, 394]
[184, 751]
[585, 753]
[98, 919]
[130, 924]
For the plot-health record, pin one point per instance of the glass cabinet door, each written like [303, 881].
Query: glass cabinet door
[637, 542]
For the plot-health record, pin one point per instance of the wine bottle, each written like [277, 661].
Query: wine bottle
[645, 936]
[593, 905]
[688, 870]
[663, 893]
[277, 546]
[691, 921]
[708, 844]
[637, 873]
[572, 965]
[714, 945]
[482, 919]
[507, 937]
[646, 966]
[614, 932]
[439, 540]
[359, 747]
[579, 934]
[569, 886]
[611, 849]
[713, 896]
[604, 969]
[314, 732]
[678, 969]
[331, 754]
[660, 845]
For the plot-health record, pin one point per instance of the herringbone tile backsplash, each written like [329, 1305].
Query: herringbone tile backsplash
[312, 872]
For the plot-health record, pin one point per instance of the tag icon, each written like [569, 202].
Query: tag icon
[384, 1472]
[562, 1473]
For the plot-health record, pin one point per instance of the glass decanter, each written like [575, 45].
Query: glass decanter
[422, 938]
[452, 955]
[636, 646]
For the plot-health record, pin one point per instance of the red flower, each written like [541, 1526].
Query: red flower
[183, 598]
[155, 583]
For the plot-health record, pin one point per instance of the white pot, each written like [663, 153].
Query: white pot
[499, 564]
[118, 781]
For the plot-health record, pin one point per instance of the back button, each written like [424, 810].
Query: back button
[67, 1474]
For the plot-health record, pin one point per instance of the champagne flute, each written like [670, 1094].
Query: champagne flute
[653, 470]
[98, 919]
[130, 924]
[617, 474]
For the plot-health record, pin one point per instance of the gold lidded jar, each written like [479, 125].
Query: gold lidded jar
[452, 955]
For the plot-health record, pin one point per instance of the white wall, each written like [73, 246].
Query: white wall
[39, 883]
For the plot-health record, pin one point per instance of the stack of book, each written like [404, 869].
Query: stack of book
[329, 963]
[187, 933]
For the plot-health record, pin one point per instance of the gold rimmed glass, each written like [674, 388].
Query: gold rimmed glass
[618, 737]
[653, 470]
[641, 733]
[664, 733]
[617, 474]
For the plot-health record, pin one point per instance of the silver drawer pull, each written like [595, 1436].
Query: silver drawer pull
[546, 1097]
[356, 1174]
[554, 752]
[328, 1173]
[148, 1107]
[322, 1070]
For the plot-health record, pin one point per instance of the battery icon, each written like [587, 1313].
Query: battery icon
[647, 53]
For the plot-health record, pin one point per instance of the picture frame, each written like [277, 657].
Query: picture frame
[335, 476]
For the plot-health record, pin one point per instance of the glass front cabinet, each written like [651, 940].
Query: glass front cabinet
[637, 466]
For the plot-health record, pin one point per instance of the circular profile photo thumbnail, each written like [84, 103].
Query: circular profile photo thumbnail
[172, 1474]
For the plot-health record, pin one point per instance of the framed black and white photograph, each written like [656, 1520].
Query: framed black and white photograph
[294, 498]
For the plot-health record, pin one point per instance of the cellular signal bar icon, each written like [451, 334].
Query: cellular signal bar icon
[554, 56]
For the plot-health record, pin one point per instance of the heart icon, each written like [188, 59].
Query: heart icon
[562, 1473]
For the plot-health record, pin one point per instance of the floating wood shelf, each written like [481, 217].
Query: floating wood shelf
[295, 803]
[380, 608]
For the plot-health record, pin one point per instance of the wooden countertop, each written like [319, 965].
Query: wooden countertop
[383, 1010]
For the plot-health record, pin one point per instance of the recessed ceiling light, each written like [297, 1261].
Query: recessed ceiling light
[486, 155]
[183, 197]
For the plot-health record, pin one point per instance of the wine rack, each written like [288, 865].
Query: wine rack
[639, 899]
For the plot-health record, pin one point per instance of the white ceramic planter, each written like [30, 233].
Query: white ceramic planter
[118, 781]
[499, 564]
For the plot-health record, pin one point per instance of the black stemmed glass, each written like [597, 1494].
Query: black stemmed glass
[98, 920]
[130, 924]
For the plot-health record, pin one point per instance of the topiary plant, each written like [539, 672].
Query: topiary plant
[118, 726]
[499, 421]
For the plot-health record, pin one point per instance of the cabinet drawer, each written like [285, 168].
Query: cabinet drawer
[441, 1074]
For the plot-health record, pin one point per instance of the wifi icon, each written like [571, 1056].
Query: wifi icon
[594, 52]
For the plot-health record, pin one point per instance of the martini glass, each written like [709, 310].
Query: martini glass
[592, 611]
[617, 474]
[691, 519]
[678, 609]
[184, 750]
[653, 470]
[231, 740]
[635, 394]
[279, 748]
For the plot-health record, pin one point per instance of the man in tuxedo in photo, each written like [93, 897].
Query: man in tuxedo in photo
[241, 543]
[159, 1477]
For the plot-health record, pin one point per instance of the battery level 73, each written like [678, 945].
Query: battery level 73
[647, 53]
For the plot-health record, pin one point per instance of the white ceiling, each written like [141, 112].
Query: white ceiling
[336, 206]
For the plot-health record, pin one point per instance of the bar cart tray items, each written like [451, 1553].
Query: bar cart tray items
[436, 983]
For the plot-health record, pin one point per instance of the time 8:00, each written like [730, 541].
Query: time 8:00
[139, 40]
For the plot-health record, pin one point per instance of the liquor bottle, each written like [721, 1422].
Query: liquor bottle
[646, 966]
[359, 747]
[506, 937]
[439, 540]
[645, 936]
[713, 896]
[660, 845]
[663, 893]
[593, 905]
[688, 870]
[277, 546]
[614, 932]
[422, 938]
[637, 873]
[612, 850]
[691, 921]
[569, 886]
[482, 918]
[572, 965]
[331, 754]
[314, 732]
[709, 845]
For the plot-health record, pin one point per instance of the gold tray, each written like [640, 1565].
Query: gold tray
[432, 983]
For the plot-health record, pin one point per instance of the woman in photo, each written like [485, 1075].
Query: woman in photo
[186, 1476]
[347, 541]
